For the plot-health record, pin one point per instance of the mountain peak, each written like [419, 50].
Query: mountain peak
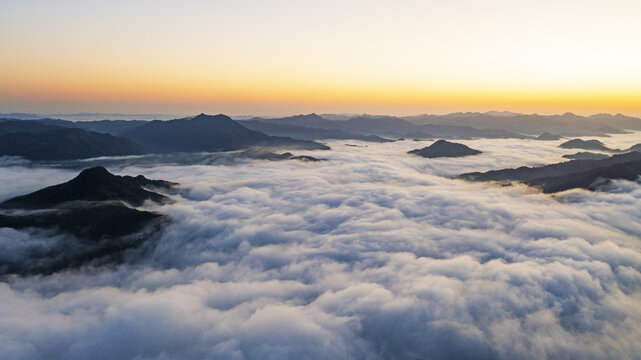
[94, 171]
[93, 184]
[203, 116]
[444, 148]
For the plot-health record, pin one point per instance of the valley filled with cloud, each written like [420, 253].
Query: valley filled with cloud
[371, 253]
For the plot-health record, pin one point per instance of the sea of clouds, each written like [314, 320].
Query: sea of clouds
[370, 254]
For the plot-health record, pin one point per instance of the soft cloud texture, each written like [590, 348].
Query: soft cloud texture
[371, 254]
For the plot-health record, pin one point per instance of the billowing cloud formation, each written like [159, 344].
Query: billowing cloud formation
[372, 254]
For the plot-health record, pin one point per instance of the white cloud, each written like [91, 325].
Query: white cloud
[371, 254]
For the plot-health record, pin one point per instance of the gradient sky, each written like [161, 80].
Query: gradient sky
[284, 57]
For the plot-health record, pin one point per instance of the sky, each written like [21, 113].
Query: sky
[282, 57]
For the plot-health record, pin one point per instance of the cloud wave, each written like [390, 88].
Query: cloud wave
[372, 254]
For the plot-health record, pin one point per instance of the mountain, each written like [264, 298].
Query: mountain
[92, 221]
[93, 209]
[443, 148]
[307, 133]
[26, 127]
[585, 155]
[585, 145]
[546, 136]
[468, 132]
[567, 175]
[208, 133]
[636, 147]
[567, 124]
[113, 127]
[395, 127]
[589, 179]
[385, 126]
[63, 144]
[93, 184]
[310, 120]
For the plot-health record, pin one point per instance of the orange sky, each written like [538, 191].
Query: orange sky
[285, 57]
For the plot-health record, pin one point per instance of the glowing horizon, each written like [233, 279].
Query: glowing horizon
[285, 57]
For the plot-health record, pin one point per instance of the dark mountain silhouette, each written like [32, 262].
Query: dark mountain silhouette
[307, 133]
[91, 221]
[208, 133]
[548, 137]
[585, 155]
[566, 175]
[113, 127]
[93, 209]
[64, 144]
[93, 184]
[590, 179]
[27, 127]
[443, 148]
[94, 234]
[585, 145]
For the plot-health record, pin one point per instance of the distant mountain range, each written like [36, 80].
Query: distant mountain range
[207, 133]
[586, 174]
[491, 124]
[94, 208]
[308, 133]
[567, 124]
[381, 126]
[53, 139]
[37, 141]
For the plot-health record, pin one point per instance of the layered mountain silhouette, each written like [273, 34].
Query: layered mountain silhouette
[511, 124]
[35, 141]
[443, 148]
[385, 126]
[26, 127]
[51, 139]
[567, 124]
[587, 174]
[92, 214]
[208, 133]
[586, 145]
[307, 133]
[586, 155]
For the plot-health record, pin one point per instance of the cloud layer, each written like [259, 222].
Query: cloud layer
[372, 254]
